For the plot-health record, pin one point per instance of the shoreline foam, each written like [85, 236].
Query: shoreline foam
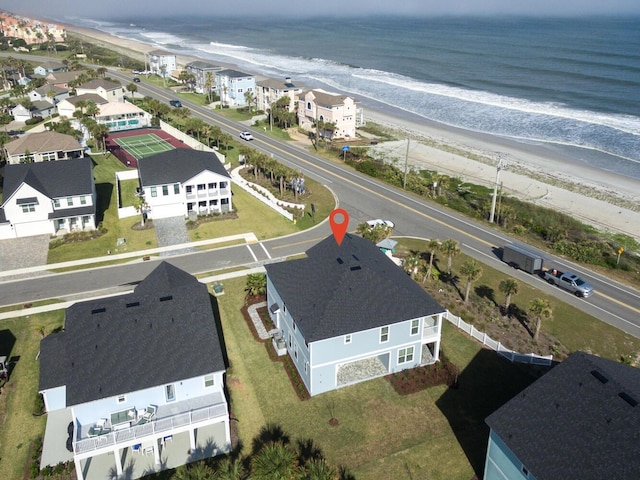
[537, 173]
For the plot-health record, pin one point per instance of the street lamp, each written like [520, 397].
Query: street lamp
[500, 166]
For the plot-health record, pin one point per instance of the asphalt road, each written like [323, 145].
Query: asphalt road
[363, 198]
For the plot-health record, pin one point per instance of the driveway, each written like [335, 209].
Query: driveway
[23, 252]
[172, 231]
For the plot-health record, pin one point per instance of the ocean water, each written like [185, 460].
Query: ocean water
[573, 83]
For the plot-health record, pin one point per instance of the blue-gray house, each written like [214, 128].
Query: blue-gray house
[579, 421]
[347, 314]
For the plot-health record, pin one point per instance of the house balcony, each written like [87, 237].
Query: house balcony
[430, 331]
[178, 416]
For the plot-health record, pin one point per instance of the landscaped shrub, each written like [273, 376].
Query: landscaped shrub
[33, 120]
[416, 379]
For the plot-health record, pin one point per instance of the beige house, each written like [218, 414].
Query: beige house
[318, 105]
[270, 90]
[42, 147]
[67, 106]
[62, 79]
[110, 91]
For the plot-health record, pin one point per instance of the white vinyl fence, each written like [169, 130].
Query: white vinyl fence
[482, 337]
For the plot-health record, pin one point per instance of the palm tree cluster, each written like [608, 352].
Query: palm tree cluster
[86, 112]
[266, 168]
[273, 457]
[281, 114]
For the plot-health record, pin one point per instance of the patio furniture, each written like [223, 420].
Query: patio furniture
[149, 412]
[137, 448]
[99, 428]
[148, 450]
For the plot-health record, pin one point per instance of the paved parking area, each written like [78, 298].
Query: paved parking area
[23, 252]
[172, 231]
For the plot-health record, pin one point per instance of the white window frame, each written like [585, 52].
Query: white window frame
[56, 203]
[384, 334]
[415, 327]
[347, 339]
[83, 200]
[69, 201]
[28, 208]
[121, 399]
[170, 392]
[405, 355]
[209, 380]
[154, 191]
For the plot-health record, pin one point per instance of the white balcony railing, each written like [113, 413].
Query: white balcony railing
[429, 331]
[155, 427]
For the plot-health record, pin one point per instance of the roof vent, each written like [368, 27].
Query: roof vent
[355, 267]
[98, 310]
[168, 297]
[133, 304]
[599, 376]
[628, 398]
[355, 258]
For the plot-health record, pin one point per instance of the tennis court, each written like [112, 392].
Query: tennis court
[141, 146]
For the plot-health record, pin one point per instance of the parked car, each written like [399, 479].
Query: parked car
[175, 103]
[136, 79]
[246, 136]
[378, 221]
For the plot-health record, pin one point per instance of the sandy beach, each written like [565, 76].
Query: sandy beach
[535, 173]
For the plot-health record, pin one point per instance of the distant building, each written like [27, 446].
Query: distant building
[232, 86]
[270, 90]
[50, 67]
[111, 91]
[49, 93]
[42, 147]
[162, 63]
[119, 116]
[318, 105]
[201, 71]
[67, 106]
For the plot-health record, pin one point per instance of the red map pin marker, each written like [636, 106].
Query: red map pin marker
[339, 220]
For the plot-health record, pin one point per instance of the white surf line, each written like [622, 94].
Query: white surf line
[265, 250]
[255, 259]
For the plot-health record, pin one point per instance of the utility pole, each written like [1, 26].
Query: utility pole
[499, 167]
[406, 164]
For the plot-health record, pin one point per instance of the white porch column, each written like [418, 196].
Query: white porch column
[118, 459]
[192, 438]
[79, 473]
[227, 433]
[156, 452]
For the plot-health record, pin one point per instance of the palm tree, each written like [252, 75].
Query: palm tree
[249, 98]
[472, 272]
[102, 71]
[256, 284]
[411, 264]
[450, 248]
[208, 85]
[133, 88]
[275, 461]
[319, 469]
[508, 287]
[230, 470]
[433, 246]
[540, 309]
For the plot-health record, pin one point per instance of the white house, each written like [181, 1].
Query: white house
[49, 198]
[346, 314]
[49, 93]
[119, 116]
[183, 181]
[232, 86]
[162, 63]
[67, 106]
[42, 147]
[135, 383]
[110, 91]
[341, 110]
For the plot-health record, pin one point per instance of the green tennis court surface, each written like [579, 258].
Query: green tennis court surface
[142, 146]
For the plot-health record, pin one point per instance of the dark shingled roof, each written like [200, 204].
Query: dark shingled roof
[581, 420]
[340, 289]
[54, 179]
[163, 332]
[177, 165]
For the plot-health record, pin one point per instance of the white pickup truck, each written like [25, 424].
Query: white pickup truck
[569, 281]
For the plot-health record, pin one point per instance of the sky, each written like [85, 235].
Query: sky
[96, 9]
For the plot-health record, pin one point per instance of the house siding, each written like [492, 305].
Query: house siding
[30, 223]
[502, 463]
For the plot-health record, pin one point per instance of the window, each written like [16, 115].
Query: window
[209, 380]
[56, 203]
[224, 201]
[189, 188]
[223, 184]
[176, 188]
[415, 325]
[47, 157]
[83, 200]
[29, 207]
[347, 338]
[306, 367]
[201, 186]
[122, 399]
[384, 334]
[212, 186]
[170, 392]
[295, 350]
[69, 201]
[165, 190]
[154, 191]
[405, 355]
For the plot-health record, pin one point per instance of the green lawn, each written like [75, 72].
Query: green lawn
[128, 192]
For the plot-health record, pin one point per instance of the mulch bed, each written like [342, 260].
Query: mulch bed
[417, 379]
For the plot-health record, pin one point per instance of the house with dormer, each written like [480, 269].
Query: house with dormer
[49, 93]
[135, 383]
[110, 91]
[346, 314]
[184, 182]
[67, 107]
[579, 420]
[62, 79]
[320, 107]
[270, 90]
[48, 198]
